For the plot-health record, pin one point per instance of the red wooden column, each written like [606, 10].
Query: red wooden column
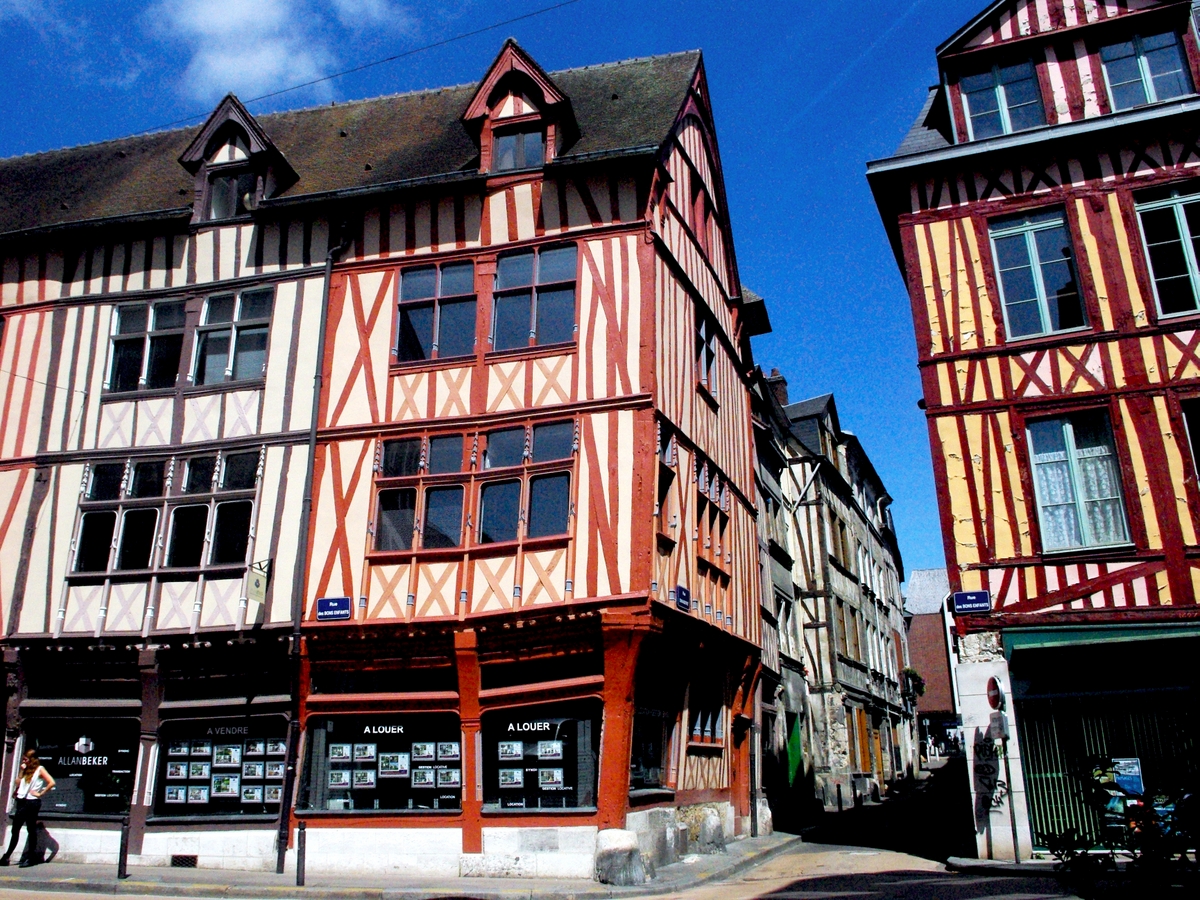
[623, 632]
[466, 654]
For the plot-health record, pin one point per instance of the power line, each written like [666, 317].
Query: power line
[380, 62]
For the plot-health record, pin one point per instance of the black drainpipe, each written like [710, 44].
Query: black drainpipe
[298, 578]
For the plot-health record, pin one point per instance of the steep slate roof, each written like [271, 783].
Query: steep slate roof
[620, 107]
[928, 131]
[926, 591]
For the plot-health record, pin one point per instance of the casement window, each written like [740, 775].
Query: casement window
[1077, 481]
[523, 480]
[147, 339]
[231, 193]
[437, 312]
[1191, 421]
[127, 506]
[534, 300]
[1002, 100]
[1036, 272]
[705, 351]
[712, 516]
[231, 342]
[1170, 221]
[524, 149]
[1145, 70]
[701, 211]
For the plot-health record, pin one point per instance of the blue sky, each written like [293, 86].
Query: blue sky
[804, 94]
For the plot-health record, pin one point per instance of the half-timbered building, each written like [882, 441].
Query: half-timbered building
[1043, 212]
[386, 467]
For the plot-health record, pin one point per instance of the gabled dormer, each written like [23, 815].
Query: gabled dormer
[522, 119]
[236, 165]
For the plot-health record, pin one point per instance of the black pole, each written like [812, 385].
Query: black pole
[299, 580]
[123, 853]
[839, 793]
[301, 843]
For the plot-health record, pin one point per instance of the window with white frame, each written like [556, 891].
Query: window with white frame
[523, 148]
[534, 299]
[231, 342]
[437, 312]
[1002, 100]
[1170, 220]
[1145, 70]
[1036, 271]
[1077, 481]
[163, 514]
[147, 339]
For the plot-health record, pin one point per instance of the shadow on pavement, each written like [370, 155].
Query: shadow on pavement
[930, 818]
[920, 886]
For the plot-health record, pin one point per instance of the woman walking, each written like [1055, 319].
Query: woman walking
[32, 782]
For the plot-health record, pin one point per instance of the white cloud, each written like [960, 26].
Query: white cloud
[249, 47]
[360, 14]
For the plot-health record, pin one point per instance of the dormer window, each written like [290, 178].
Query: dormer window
[1002, 100]
[1145, 70]
[522, 149]
[232, 194]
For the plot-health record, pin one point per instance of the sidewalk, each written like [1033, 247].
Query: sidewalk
[695, 870]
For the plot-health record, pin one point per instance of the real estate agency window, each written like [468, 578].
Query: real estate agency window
[1145, 70]
[146, 340]
[534, 299]
[1002, 100]
[125, 504]
[1170, 219]
[1077, 482]
[542, 757]
[1036, 272]
[437, 312]
[231, 342]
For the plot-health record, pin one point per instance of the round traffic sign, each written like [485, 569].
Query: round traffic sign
[995, 693]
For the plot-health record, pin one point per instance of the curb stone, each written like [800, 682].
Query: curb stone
[674, 881]
[1034, 868]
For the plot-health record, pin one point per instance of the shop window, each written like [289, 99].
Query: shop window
[1036, 271]
[541, 757]
[647, 759]
[1077, 482]
[524, 149]
[147, 340]
[231, 344]
[92, 762]
[221, 767]
[386, 763]
[534, 299]
[437, 312]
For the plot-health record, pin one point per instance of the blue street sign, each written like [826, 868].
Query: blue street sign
[972, 602]
[332, 608]
[683, 598]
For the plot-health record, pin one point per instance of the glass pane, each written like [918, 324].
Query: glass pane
[556, 265]
[106, 481]
[131, 319]
[257, 304]
[418, 284]
[1017, 286]
[499, 509]
[169, 315]
[127, 364]
[504, 448]
[1058, 278]
[443, 517]
[534, 154]
[416, 333]
[514, 271]
[1168, 261]
[549, 502]
[137, 539]
[250, 355]
[504, 152]
[221, 198]
[1099, 479]
[511, 328]
[1056, 495]
[1164, 58]
[397, 515]
[212, 356]
[456, 328]
[200, 475]
[95, 540]
[231, 533]
[147, 480]
[220, 309]
[246, 187]
[401, 457]
[163, 368]
[445, 454]
[241, 471]
[1124, 76]
[556, 316]
[553, 441]
[188, 524]
[458, 279]
[982, 82]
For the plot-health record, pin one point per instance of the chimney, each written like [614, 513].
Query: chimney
[778, 385]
